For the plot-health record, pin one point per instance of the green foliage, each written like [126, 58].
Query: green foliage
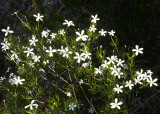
[64, 71]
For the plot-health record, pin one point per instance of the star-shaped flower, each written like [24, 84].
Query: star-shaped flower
[17, 80]
[92, 28]
[129, 84]
[62, 32]
[152, 82]
[31, 105]
[81, 36]
[112, 33]
[94, 18]
[33, 40]
[7, 31]
[69, 94]
[68, 23]
[98, 71]
[138, 50]
[118, 88]
[51, 51]
[102, 32]
[79, 57]
[29, 51]
[116, 104]
[38, 17]
[105, 64]
[72, 106]
[53, 35]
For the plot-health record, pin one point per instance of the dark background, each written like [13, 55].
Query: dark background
[136, 22]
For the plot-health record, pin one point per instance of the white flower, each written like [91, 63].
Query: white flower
[69, 94]
[137, 50]
[68, 23]
[105, 65]
[2, 78]
[33, 40]
[94, 18]
[49, 40]
[72, 106]
[61, 50]
[146, 77]
[140, 74]
[137, 81]
[92, 28]
[66, 52]
[84, 65]
[89, 63]
[18, 80]
[5, 45]
[51, 51]
[152, 82]
[149, 72]
[79, 57]
[112, 59]
[29, 51]
[7, 31]
[81, 81]
[112, 33]
[98, 71]
[118, 89]
[62, 32]
[120, 62]
[115, 70]
[102, 32]
[119, 74]
[116, 104]
[86, 55]
[90, 110]
[14, 55]
[45, 33]
[81, 36]
[38, 17]
[31, 105]
[53, 35]
[129, 84]
[36, 58]
[31, 64]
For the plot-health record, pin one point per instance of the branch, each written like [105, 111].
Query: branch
[86, 96]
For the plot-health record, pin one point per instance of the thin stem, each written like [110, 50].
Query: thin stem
[72, 87]
[85, 95]
[114, 44]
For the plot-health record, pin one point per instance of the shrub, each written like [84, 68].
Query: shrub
[64, 71]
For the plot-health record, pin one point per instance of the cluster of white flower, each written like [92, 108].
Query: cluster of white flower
[65, 51]
[145, 76]
[113, 63]
[13, 79]
[82, 56]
